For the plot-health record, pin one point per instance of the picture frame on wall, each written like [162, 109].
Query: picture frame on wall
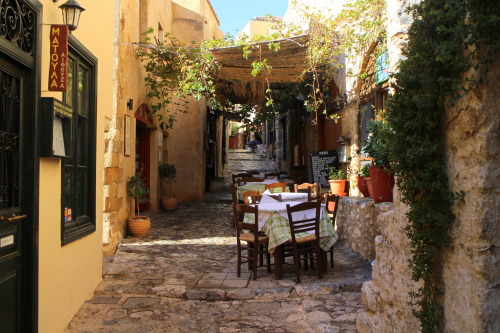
[126, 139]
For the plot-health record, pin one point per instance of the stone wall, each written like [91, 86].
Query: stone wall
[471, 266]
[358, 223]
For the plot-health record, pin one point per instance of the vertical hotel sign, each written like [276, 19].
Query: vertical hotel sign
[58, 71]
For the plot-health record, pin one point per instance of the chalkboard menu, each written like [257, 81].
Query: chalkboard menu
[56, 126]
[321, 162]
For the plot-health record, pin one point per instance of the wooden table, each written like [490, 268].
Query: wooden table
[273, 221]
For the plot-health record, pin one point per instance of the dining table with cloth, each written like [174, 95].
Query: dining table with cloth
[273, 221]
[257, 186]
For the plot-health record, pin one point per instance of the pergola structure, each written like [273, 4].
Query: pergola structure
[287, 65]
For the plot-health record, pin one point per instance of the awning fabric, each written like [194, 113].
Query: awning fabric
[287, 64]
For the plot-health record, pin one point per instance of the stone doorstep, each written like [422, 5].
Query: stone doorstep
[223, 280]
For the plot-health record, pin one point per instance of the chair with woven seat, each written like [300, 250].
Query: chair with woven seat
[246, 195]
[332, 204]
[256, 198]
[236, 177]
[276, 187]
[256, 243]
[312, 190]
[300, 223]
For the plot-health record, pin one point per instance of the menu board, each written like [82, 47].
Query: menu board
[321, 162]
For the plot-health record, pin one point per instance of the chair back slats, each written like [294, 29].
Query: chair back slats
[248, 194]
[332, 204]
[256, 198]
[240, 210]
[303, 224]
[274, 186]
[313, 190]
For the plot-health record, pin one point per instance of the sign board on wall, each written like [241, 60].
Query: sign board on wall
[321, 162]
[58, 69]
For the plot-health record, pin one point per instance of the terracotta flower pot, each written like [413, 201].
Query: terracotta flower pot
[337, 187]
[169, 203]
[139, 225]
[380, 184]
[363, 185]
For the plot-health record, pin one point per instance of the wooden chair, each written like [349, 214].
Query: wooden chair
[249, 194]
[244, 180]
[271, 175]
[256, 198]
[332, 204]
[313, 190]
[256, 243]
[238, 176]
[308, 245]
[272, 187]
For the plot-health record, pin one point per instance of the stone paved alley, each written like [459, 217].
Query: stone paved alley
[181, 277]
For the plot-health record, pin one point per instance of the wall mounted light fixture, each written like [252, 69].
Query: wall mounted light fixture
[339, 101]
[71, 11]
[130, 104]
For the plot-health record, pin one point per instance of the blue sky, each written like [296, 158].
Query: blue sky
[235, 14]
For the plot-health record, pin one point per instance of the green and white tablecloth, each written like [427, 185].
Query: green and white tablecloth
[274, 223]
[261, 187]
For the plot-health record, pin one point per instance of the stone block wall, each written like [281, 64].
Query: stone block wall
[358, 223]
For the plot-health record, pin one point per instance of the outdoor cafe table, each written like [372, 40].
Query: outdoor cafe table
[290, 196]
[273, 221]
[257, 186]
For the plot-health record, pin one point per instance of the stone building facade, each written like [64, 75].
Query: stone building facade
[471, 269]
[183, 146]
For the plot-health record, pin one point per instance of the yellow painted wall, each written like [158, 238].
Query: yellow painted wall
[69, 274]
[192, 21]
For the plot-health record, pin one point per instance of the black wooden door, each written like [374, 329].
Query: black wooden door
[16, 198]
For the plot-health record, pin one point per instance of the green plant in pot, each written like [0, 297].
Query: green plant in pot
[363, 178]
[337, 180]
[167, 173]
[136, 189]
[381, 180]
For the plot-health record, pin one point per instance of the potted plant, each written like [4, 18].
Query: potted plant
[363, 178]
[138, 225]
[381, 180]
[167, 173]
[337, 180]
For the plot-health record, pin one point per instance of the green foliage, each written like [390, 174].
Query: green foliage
[167, 172]
[447, 38]
[136, 189]
[376, 145]
[364, 171]
[336, 174]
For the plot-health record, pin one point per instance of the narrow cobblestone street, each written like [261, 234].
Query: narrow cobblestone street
[181, 277]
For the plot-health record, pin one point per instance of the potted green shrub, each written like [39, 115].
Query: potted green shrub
[136, 189]
[337, 180]
[381, 180]
[363, 178]
[167, 173]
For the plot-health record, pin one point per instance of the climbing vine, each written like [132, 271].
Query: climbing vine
[175, 71]
[447, 39]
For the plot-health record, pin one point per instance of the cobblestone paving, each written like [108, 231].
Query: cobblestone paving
[181, 278]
